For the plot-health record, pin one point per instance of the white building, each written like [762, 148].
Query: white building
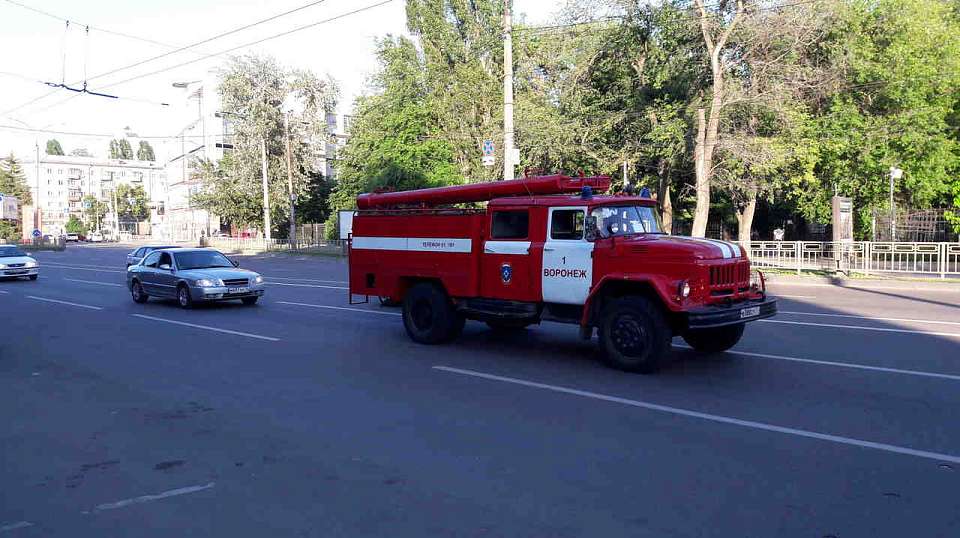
[59, 183]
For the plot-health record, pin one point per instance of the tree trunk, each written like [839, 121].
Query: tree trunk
[703, 181]
[745, 216]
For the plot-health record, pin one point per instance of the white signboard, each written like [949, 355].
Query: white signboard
[9, 208]
[346, 223]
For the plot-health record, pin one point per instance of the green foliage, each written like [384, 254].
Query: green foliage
[53, 147]
[8, 231]
[13, 181]
[132, 202]
[145, 152]
[254, 91]
[93, 211]
[120, 149]
[75, 226]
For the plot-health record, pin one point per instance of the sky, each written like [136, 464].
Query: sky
[38, 48]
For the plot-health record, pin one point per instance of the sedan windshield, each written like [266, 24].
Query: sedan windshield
[626, 220]
[201, 259]
[10, 252]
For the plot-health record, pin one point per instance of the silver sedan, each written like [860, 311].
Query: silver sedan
[192, 275]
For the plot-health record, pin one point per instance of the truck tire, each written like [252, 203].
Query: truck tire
[428, 315]
[714, 340]
[634, 335]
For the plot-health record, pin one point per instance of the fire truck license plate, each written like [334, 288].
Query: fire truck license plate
[750, 312]
[238, 290]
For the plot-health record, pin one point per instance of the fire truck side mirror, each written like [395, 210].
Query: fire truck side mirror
[590, 228]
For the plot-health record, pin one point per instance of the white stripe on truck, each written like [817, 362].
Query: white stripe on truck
[414, 244]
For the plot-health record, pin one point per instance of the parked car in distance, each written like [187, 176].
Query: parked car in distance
[14, 263]
[95, 237]
[192, 275]
[134, 257]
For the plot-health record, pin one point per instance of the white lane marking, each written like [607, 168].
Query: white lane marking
[307, 285]
[205, 327]
[341, 308]
[34, 297]
[15, 526]
[858, 327]
[838, 364]
[305, 279]
[793, 296]
[932, 321]
[93, 282]
[713, 418]
[74, 268]
[155, 497]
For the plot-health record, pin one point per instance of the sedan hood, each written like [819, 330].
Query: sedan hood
[16, 259]
[223, 273]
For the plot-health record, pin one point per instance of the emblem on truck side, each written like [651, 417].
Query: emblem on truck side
[506, 273]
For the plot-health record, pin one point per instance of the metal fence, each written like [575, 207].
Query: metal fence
[929, 259]
[235, 244]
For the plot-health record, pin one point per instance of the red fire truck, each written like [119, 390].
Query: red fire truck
[549, 248]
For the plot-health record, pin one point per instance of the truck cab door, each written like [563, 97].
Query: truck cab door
[567, 273]
[507, 271]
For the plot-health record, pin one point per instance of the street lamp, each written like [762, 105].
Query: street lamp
[895, 174]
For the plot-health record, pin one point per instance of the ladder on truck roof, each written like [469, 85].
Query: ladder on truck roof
[481, 192]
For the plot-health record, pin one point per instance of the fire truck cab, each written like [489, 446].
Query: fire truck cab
[551, 249]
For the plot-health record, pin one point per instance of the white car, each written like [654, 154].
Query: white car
[14, 263]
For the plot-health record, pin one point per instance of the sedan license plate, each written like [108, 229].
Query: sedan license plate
[238, 290]
[750, 312]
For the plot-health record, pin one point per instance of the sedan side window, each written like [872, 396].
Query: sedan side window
[151, 260]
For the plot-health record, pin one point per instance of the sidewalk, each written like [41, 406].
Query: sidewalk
[900, 283]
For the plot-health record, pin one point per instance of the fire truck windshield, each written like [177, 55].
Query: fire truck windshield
[626, 220]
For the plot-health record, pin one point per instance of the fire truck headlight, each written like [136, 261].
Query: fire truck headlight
[683, 290]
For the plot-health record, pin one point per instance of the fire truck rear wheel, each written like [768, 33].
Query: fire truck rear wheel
[634, 335]
[716, 339]
[428, 315]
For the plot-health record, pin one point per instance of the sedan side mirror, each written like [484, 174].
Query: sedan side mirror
[590, 228]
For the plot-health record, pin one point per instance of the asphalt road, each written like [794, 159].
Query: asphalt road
[306, 416]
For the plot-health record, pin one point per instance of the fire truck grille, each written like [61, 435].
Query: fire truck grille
[729, 279]
[235, 282]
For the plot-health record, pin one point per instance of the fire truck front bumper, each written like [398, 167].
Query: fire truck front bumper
[720, 315]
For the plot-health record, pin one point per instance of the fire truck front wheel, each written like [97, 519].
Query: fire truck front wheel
[428, 315]
[714, 340]
[634, 335]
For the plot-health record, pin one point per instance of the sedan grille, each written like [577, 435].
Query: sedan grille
[235, 282]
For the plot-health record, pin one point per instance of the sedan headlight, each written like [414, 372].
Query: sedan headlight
[208, 283]
[258, 280]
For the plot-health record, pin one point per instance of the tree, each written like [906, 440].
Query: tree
[75, 226]
[145, 152]
[13, 181]
[254, 90]
[93, 211]
[53, 147]
[132, 202]
[120, 149]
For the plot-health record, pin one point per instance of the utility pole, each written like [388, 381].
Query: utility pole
[508, 162]
[293, 209]
[266, 189]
